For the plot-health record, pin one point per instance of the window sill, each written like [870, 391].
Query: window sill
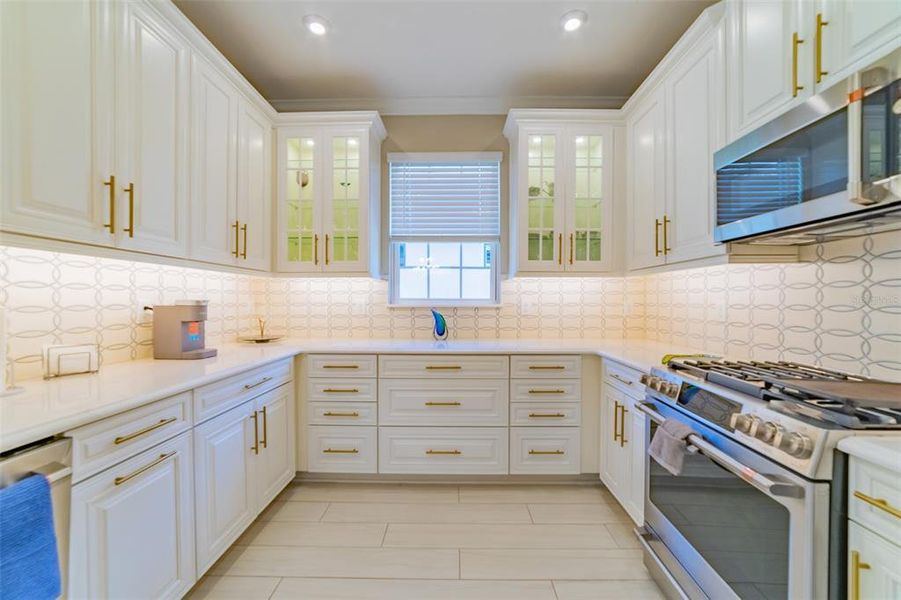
[442, 306]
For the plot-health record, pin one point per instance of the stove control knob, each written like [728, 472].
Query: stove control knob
[742, 423]
[671, 389]
[646, 379]
[797, 445]
[768, 432]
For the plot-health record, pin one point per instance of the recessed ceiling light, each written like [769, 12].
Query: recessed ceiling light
[573, 20]
[316, 24]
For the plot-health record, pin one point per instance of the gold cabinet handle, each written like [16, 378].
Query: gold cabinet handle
[656, 237]
[570, 248]
[879, 503]
[554, 452]
[341, 391]
[145, 468]
[856, 567]
[546, 367]
[616, 406]
[340, 366]
[256, 435]
[620, 379]
[112, 204]
[560, 249]
[453, 452]
[340, 414]
[130, 190]
[546, 415]
[326, 248]
[622, 425]
[666, 223]
[161, 423]
[547, 391]
[443, 367]
[340, 451]
[796, 41]
[818, 49]
[236, 225]
[442, 403]
[244, 231]
[265, 441]
[316, 249]
[250, 386]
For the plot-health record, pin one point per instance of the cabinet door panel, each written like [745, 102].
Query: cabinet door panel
[132, 527]
[153, 82]
[646, 183]
[300, 177]
[57, 119]
[589, 203]
[615, 464]
[276, 458]
[876, 562]
[346, 202]
[857, 33]
[254, 196]
[214, 236]
[541, 191]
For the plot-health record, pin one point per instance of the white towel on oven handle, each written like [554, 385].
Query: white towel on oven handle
[669, 445]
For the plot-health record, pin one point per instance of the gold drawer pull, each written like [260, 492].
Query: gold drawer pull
[443, 367]
[546, 367]
[550, 415]
[147, 467]
[547, 391]
[340, 451]
[340, 366]
[554, 452]
[162, 423]
[256, 433]
[250, 386]
[341, 391]
[341, 414]
[442, 404]
[454, 452]
[621, 379]
[856, 567]
[879, 503]
[265, 441]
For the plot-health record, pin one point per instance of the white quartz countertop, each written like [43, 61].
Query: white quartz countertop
[48, 408]
[882, 451]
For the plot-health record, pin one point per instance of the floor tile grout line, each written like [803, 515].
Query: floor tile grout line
[554, 588]
[275, 589]
[459, 564]
[385, 535]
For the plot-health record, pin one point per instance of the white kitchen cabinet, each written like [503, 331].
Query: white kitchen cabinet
[275, 462]
[646, 168]
[58, 119]
[328, 174]
[873, 562]
[254, 192]
[616, 459]
[561, 190]
[132, 527]
[225, 480]
[152, 194]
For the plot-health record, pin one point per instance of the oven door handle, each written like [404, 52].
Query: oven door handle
[765, 484]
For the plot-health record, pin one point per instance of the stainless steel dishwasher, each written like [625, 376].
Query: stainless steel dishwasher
[52, 459]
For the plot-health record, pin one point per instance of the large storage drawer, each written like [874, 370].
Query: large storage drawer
[341, 449]
[625, 377]
[443, 402]
[549, 450]
[874, 498]
[107, 442]
[546, 413]
[342, 413]
[545, 390]
[443, 366]
[216, 398]
[341, 390]
[443, 450]
[341, 365]
[543, 366]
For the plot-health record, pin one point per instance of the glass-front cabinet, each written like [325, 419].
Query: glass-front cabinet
[328, 188]
[561, 199]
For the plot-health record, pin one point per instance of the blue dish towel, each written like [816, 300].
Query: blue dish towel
[29, 564]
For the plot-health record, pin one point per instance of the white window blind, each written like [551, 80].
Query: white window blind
[439, 195]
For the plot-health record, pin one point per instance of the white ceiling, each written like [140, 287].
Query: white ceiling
[443, 56]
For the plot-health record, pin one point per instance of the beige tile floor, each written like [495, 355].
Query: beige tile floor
[434, 542]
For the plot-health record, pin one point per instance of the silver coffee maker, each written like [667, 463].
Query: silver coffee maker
[179, 332]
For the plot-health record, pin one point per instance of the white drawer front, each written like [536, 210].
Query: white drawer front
[874, 498]
[626, 377]
[107, 442]
[443, 402]
[545, 450]
[341, 449]
[215, 398]
[342, 390]
[449, 450]
[545, 413]
[342, 413]
[341, 365]
[545, 390]
[443, 366]
[546, 366]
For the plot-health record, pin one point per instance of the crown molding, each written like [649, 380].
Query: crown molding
[370, 119]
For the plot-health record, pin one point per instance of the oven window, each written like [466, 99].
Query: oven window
[741, 532]
[808, 164]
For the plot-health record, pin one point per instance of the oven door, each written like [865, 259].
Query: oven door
[734, 524]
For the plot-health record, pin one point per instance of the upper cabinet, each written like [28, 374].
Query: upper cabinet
[781, 53]
[561, 190]
[328, 175]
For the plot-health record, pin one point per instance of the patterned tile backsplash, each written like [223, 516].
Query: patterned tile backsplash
[842, 309]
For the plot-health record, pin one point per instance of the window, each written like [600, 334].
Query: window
[444, 228]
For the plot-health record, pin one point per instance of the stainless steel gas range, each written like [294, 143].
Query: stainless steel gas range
[757, 508]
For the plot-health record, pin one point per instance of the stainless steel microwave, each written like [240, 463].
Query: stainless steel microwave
[826, 169]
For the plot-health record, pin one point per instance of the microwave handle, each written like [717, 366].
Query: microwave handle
[763, 483]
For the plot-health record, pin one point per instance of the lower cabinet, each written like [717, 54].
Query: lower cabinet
[443, 450]
[545, 450]
[342, 449]
[873, 565]
[132, 528]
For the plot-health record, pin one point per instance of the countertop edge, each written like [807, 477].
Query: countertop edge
[882, 451]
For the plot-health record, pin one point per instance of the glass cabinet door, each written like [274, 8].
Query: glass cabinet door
[587, 200]
[544, 235]
[343, 209]
[299, 217]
